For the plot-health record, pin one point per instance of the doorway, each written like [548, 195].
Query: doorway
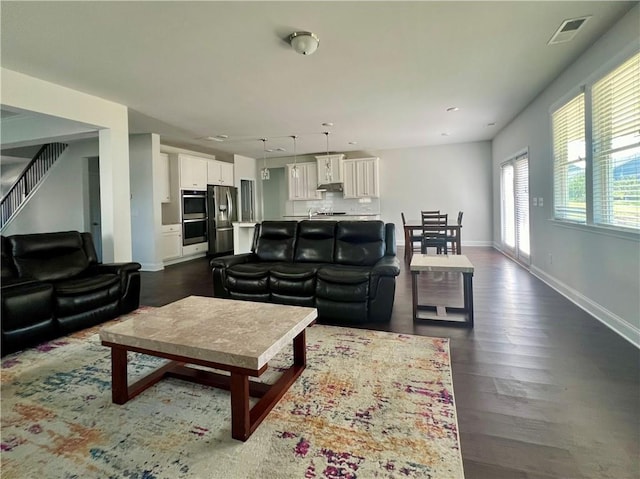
[514, 180]
[95, 215]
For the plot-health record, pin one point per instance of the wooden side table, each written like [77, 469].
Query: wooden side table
[446, 264]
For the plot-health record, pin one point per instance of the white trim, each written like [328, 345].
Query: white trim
[152, 266]
[626, 234]
[612, 321]
[606, 317]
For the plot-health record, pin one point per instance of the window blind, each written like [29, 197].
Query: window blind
[569, 180]
[522, 203]
[616, 146]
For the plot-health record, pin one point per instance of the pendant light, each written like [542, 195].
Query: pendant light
[294, 170]
[327, 162]
[264, 173]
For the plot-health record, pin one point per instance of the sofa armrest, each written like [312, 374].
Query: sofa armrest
[386, 266]
[219, 267]
[232, 260]
[113, 268]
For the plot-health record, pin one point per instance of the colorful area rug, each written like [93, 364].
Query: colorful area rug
[370, 404]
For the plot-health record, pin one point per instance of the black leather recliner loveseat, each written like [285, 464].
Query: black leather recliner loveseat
[345, 269]
[52, 284]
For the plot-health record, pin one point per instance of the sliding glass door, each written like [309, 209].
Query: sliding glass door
[515, 207]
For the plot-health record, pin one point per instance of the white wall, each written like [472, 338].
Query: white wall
[600, 272]
[450, 178]
[59, 204]
[32, 94]
[144, 155]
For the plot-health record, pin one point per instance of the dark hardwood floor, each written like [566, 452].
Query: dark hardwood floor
[543, 390]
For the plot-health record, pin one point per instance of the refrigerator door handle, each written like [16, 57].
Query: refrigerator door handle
[230, 203]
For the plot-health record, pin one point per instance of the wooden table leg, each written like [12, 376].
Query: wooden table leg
[240, 416]
[119, 386]
[300, 349]
[414, 293]
[467, 286]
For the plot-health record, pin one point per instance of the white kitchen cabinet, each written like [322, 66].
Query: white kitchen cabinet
[304, 186]
[220, 173]
[171, 245]
[360, 178]
[329, 168]
[195, 249]
[165, 183]
[193, 172]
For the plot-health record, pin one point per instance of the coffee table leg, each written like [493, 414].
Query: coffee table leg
[468, 296]
[240, 416]
[119, 387]
[300, 349]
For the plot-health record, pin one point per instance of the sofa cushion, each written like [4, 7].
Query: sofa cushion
[79, 286]
[292, 280]
[316, 240]
[78, 295]
[343, 284]
[360, 243]
[49, 256]
[249, 278]
[277, 240]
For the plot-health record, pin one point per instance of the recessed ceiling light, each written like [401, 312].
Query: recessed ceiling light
[353, 142]
[328, 123]
[491, 124]
[444, 134]
[280, 149]
[269, 150]
[453, 108]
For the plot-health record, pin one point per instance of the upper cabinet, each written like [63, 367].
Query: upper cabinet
[360, 178]
[220, 173]
[329, 168]
[165, 183]
[193, 172]
[303, 185]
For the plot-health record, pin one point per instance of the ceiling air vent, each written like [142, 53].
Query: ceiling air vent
[568, 30]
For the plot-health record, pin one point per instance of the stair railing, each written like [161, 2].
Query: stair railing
[29, 179]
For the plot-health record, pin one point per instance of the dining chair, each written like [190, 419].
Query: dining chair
[434, 232]
[452, 236]
[412, 242]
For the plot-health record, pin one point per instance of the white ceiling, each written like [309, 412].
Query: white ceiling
[384, 73]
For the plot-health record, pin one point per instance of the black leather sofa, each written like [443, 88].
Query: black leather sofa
[52, 284]
[345, 269]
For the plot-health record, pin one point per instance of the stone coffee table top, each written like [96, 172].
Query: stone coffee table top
[457, 263]
[237, 333]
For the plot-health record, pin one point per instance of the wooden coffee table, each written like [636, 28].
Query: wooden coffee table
[457, 263]
[235, 336]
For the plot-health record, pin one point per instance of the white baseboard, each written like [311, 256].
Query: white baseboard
[606, 317]
[152, 267]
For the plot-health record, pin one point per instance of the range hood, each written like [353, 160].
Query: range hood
[331, 187]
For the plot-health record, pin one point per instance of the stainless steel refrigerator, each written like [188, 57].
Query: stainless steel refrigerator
[222, 209]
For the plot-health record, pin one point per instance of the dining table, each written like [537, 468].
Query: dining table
[414, 227]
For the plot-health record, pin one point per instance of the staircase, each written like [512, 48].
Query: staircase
[29, 180]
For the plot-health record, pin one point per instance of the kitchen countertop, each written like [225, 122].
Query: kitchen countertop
[350, 215]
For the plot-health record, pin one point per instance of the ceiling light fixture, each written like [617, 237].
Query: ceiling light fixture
[304, 43]
[264, 173]
[328, 123]
[452, 108]
[294, 170]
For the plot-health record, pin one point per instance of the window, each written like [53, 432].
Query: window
[569, 184]
[597, 170]
[616, 147]
[515, 207]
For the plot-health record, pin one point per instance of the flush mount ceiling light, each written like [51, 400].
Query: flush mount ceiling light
[304, 43]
